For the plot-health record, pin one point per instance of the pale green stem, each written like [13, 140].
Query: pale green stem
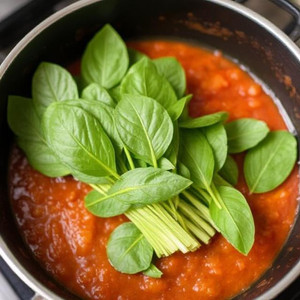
[189, 212]
[202, 210]
[184, 241]
[199, 233]
[129, 158]
[214, 196]
[97, 188]
[217, 195]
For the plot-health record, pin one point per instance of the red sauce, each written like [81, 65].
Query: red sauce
[70, 242]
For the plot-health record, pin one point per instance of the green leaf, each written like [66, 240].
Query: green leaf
[185, 113]
[22, 118]
[51, 83]
[42, 158]
[143, 79]
[78, 139]
[95, 92]
[140, 163]
[183, 170]
[104, 208]
[172, 70]
[128, 251]
[204, 121]
[153, 271]
[24, 122]
[218, 180]
[105, 115]
[197, 156]
[165, 164]
[176, 109]
[268, 164]
[145, 186]
[173, 149]
[115, 93]
[135, 56]
[230, 171]
[105, 60]
[244, 134]
[144, 126]
[235, 219]
[217, 138]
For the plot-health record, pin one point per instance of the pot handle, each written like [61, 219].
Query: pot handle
[292, 14]
[294, 10]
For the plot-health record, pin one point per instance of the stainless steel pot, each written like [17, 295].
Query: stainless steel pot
[234, 29]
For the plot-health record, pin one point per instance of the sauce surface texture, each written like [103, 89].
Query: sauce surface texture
[71, 243]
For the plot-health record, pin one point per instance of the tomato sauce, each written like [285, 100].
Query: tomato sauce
[70, 243]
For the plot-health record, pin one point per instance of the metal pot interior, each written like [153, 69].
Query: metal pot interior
[212, 24]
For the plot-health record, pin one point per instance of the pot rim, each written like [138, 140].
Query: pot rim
[5, 252]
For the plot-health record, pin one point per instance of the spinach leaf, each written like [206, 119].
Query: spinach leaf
[105, 60]
[173, 149]
[140, 163]
[95, 92]
[51, 83]
[185, 113]
[183, 170]
[153, 271]
[204, 121]
[165, 164]
[105, 115]
[110, 207]
[244, 134]
[234, 219]
[24, 122]
[128, 251]
[176, 109]
[172, 70]
[144, 126]
[144, 186]
[115, 93]
[135, 56]
[198, 157]
[218, 180]
[78, 139]
[22, 118]
[268, 164]
[42, 158]
[230, 171]
[217, 138]
[143, 79]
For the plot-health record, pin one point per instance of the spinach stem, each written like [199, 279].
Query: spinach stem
[129, 158]
[203, 194]
[217, 195]
[154, 163]
[111, 180]
[189, 212]
[173, 211]
[97, 188]
[197, 231]
[162, 231]
[122, 166]
[213, 195]
[114, 174]
[202, 210]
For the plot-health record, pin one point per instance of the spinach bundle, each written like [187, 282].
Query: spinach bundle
[128, 135]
